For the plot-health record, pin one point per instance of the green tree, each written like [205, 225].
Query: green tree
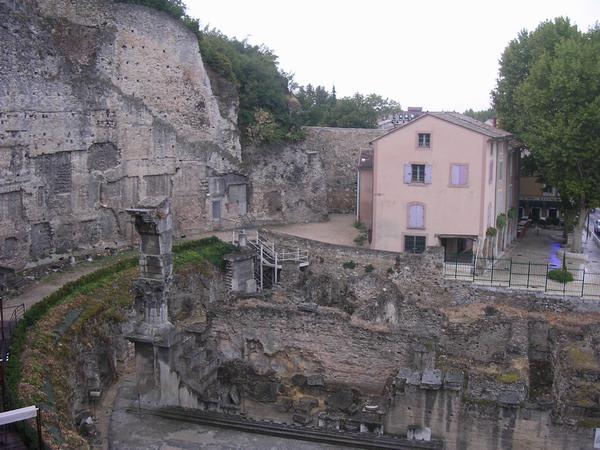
[320, 108]
[548, 95]
[482, 115]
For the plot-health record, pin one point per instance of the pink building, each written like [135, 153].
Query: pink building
[442, 179]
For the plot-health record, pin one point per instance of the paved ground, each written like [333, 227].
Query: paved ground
[539, 246]
[544, 246]
[338, 230]
[133, 431]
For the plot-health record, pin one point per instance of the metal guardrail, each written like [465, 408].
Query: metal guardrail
[523, 275]
[269, 257]
[272, 256]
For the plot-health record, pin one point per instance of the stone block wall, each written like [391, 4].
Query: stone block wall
[486, 426]
[339, 149]
[102, 104]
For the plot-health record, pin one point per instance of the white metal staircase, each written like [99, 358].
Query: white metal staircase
[269, 257]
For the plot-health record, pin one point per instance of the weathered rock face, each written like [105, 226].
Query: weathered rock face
[339, 149]
[102, 104]
[288, 183]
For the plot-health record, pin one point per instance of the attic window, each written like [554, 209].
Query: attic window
[424, 140]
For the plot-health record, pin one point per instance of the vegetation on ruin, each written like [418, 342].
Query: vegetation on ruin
[272, 107]
[509, 377]
[349, 265]
[369, 268]
[581, 359]
[77, 315]
[491, 231]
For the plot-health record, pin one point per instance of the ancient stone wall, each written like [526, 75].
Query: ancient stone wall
[102, 104]
[479, 425]
[339, 149]
[105, 103]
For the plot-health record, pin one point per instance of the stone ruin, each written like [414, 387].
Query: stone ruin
[153, 333]
[365, 357]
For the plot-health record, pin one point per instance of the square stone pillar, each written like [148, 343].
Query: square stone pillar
[153, 221]
[153, 333]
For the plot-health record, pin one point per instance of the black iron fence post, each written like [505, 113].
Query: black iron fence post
[528, 272]
[583, 282]
[492, 278]
[546, 283]
[455, 266]
[510, 273]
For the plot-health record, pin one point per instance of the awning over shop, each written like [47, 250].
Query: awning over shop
[456, 236]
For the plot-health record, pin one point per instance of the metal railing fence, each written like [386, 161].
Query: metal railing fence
[523, 275]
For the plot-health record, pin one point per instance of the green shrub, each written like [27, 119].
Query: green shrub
[349, 265]
[560, 275]
[501, 220]
[359, 225]
[513, 213]
[491, 231]
[369, 268]
[390, 270]
[360, 239]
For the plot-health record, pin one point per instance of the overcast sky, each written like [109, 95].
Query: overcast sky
[441, 55]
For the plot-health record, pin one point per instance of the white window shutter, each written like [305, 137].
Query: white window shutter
[407, 173]
[428, 174]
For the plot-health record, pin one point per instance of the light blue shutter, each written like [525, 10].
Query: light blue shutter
[407, 173]
[416, 216]
[428, 174]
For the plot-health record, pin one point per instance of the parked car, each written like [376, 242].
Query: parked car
[597, 227]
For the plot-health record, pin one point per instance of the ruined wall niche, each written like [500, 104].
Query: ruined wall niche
[103, 156]
[227, 198]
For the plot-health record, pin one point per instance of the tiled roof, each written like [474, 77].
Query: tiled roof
[365, 161]
[457, 119]
[471, 124]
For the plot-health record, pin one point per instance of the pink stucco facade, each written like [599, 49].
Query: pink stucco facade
[454, 201]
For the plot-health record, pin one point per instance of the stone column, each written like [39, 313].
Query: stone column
[154, 224]
[153, 333]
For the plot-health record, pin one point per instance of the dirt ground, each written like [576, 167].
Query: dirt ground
[338, 230]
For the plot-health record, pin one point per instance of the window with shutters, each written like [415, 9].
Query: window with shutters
[491, 172]
[416, 216]
[459, 174]
[417, 174]
[414, 244]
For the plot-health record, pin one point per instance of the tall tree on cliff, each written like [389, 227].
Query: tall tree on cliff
[548, 95]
